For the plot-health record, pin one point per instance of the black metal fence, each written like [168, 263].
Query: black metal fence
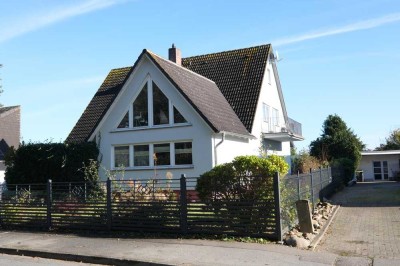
[156, 205]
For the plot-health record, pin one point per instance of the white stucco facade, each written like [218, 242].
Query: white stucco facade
[380, 165]
[208, 148]
[2, 171]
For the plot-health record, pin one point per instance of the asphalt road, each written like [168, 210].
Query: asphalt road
[7, 260]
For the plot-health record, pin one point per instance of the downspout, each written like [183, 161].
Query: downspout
[215, 148]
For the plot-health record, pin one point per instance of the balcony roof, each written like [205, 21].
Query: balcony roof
[282, 136]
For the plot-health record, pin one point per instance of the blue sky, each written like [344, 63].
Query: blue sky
[339, 57]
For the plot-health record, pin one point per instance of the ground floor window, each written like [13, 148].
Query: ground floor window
[153, 154]
[121, 156]
[381, 170]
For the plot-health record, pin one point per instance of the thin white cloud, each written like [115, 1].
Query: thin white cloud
[40, 20]
[362, 25]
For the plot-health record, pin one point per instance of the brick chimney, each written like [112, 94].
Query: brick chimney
[174, 55]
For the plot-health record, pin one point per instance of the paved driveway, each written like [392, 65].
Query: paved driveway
[368, 223]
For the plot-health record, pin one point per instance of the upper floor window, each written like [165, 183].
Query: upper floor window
[269, 75]
[275, 117]
[160, 107]
[151, 108]
[265, 113]
[140, 109]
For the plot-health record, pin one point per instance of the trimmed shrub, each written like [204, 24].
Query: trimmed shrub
[246, 177]
[37, 162]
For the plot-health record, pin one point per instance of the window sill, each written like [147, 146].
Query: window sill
[152, 168]
[149, 128]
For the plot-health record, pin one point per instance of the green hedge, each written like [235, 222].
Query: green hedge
[37, 162]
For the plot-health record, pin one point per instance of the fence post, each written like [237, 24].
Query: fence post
[277, 197]
[320, 177]
[183, 203]
[109, 210]
[49, 192]
[298, 185]
[312, 188]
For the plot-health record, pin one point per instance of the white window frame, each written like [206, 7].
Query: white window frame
[151, 153]
[269, 76]
[275, 117]
[266, 114]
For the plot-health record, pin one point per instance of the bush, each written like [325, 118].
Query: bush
[240, 192]
[347, 166]
[304, 162]
[37, 162]
[246, 177]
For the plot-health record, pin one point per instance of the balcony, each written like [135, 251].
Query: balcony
[273, 129]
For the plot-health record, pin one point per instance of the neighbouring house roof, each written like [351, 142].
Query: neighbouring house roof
[388, 152]
[238, 74]
[225, 82]
[4, 110]
[9, 128]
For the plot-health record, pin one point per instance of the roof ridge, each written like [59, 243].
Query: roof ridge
[228, 51]
[182, 67]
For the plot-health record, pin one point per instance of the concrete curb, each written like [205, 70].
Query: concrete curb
[318, 238]
[76, 258]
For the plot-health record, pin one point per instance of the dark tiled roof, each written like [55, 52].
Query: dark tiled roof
[238, 74]
[99, 105]
[204, 95]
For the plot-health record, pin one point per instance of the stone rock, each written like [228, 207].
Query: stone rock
[295, 241]
[316, 225]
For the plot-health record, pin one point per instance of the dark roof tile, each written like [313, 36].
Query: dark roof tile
[99, 105]
[204, 95]
[238, 74]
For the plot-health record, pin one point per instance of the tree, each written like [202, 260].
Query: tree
[337, 141]
[392, 142]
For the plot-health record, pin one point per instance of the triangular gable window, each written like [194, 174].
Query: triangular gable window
[140, 107]
[151, 108]
[125, 121]
[160, 107]
[178, 117]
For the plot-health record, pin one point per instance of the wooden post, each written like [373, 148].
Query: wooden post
[109, 209]
[277, 197]
[183, 203]
[49, 192]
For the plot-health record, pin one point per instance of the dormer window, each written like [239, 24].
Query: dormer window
[151, 108]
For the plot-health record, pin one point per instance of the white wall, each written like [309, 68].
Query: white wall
[269, 95]
[2, 171]
[230, 148]
[366, 165]
[198, 131]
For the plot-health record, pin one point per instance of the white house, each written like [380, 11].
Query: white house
[380, 165]
[186, 115]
